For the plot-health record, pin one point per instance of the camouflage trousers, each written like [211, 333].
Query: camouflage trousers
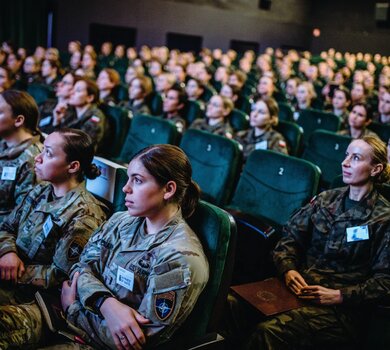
[306, 327]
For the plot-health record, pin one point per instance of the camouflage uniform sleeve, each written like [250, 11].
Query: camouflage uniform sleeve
[26, 180]
[291, 248]
[173, 289]
[68, 250]
[377, 287]
[91, 263]
[9, 231]
[95, 127]
[278, 144]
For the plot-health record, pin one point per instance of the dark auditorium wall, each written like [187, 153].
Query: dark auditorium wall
[348, 25]
[284, 24]
[344, 24]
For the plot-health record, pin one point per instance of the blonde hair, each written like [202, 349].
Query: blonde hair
[379, 156]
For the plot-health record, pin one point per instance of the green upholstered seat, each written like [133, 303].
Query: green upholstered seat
[146, 130]
[207, 93]
[192, 111]
[293, 134]
[244, 104]
[271, 187]
[382, 130]
[122, 92]
[285, 112]
[108, 186]
[40, 92]
[155, 103]
[118, 119]
[239, 120]
[217, 232]
[311, 120]
[327, 150]
[216, 162]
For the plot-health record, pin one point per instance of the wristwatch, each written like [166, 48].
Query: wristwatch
[99, 302]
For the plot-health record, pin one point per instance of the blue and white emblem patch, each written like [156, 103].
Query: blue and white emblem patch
[164, 304]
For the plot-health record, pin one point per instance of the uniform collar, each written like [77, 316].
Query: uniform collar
[66, 201]
[361, 210]
[15, 151]
[150, 240]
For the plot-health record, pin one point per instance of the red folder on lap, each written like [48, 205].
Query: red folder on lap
[270, 296]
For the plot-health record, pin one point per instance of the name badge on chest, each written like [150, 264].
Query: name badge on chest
[45, 121]
[125, 278]
[357, 233]
[261, 145]
[8, 173]
[47, 226]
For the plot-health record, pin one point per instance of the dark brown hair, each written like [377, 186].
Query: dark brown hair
[22, 103]
[169, 163]
[78, 146]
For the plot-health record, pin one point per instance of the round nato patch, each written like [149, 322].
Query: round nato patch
[164, 304]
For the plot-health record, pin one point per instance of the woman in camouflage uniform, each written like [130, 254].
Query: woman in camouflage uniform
[335, 255]
[44, 236]
[19, 144]
[263, 117]
[141, 274]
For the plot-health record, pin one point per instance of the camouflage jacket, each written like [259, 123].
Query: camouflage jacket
[49, 234]
[159, 275]
[317, 242]
[17, 173]
[222, 129]
[93, 122]
[365, 132]
[270, 139]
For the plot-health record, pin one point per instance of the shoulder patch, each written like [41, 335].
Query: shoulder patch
[76, 246]
[282, 143]
[95, 119]
[164, 304]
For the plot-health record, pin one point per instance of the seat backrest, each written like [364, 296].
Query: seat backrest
[327, 150]
[155, 103]
[293, 134]
[239, 120]
[146, 130]
[40, 92]
[273, 185]
[285, 112]
[216, 230]
[311, 120]
[119, 122]
[108, 186]
[192, 111]
[216, 162]
[382, 130]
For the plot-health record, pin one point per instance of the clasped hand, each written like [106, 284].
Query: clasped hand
[11, 267]
[316, 294]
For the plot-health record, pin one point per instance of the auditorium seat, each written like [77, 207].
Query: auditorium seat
[192, 110]
[293, 135]
[239, 120]
[285, 112]
[40, 92]
[216, 162]
[146, 130]
[382, 130]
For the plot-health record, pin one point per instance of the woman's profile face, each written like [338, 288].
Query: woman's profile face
[7, 121]
[51, 164]
[144, 196]
[357, 166]
[260, 116]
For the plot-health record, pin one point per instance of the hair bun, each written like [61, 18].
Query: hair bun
[92, 172]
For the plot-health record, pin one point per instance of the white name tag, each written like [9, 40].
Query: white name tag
[125, 278]
[261, 145]
[47, 226]
[357, 233]
[8, 173]
[45, 121]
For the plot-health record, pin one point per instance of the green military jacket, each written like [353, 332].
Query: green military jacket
[48, 234]
[318, 242]
[222, 129]
[270, 139]
[17, 172]
[159, 275]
